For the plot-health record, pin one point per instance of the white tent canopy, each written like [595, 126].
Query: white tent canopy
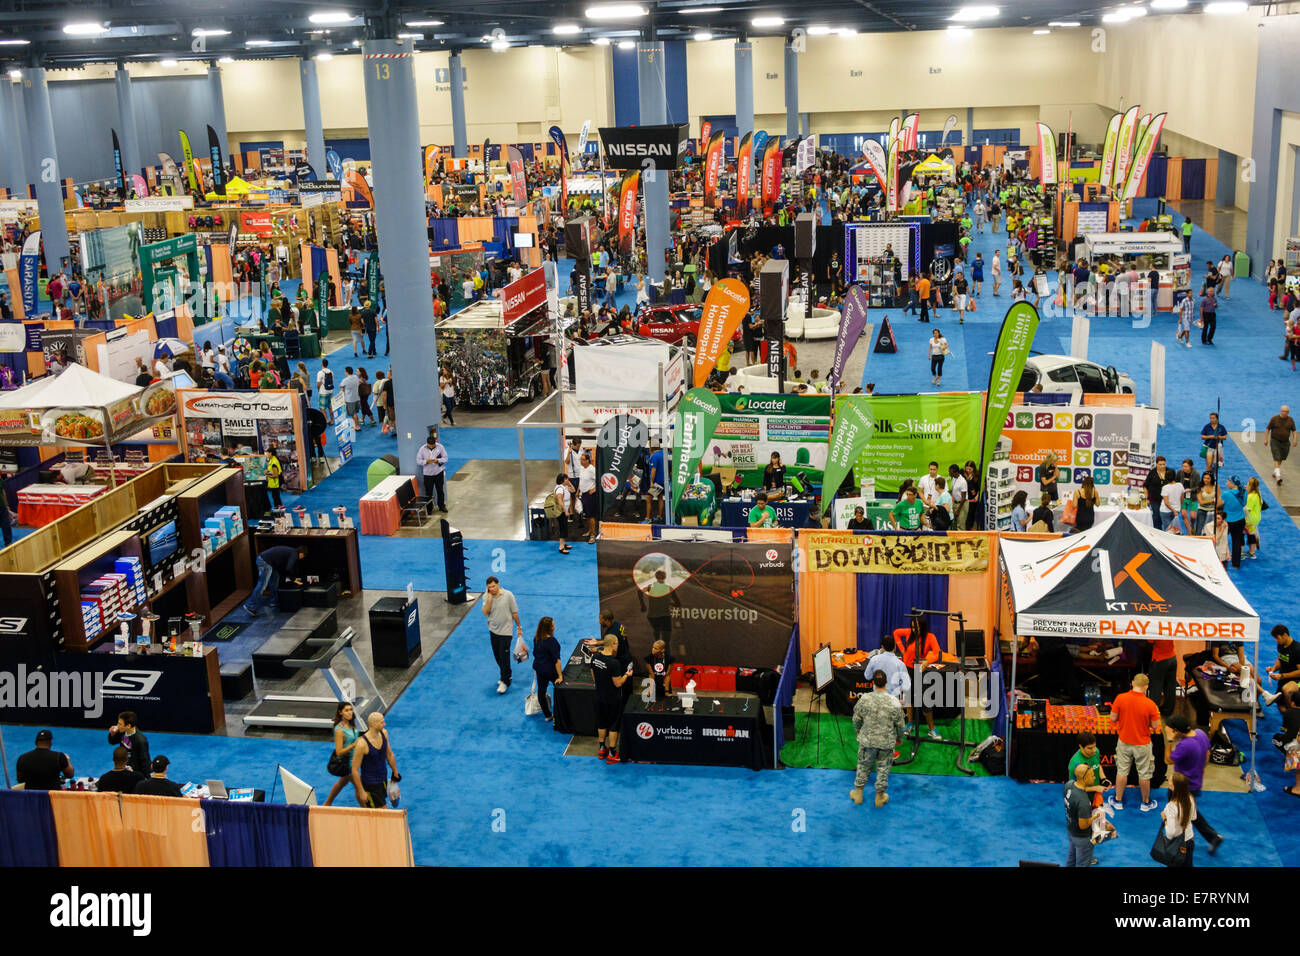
[76, 386]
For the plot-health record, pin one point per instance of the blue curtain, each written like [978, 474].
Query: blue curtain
[166, 327]
[320, 264]
[1193, 179]
[504, 229]
[256, 834]
[785, 690]
[446, 234]
[27, 835]
[1157, 173]
[884, 601]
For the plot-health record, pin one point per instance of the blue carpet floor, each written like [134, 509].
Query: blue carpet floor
[470, 757]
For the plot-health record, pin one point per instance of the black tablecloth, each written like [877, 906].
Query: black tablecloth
[575, 698]
[850, 683]
[731, 733]
[1038, 755]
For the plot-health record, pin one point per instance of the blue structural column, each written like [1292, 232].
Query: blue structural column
[217, 105]
[744, 87]
[41, 151]
[791, 91]
[456, 78]
[652, 93]
[397, 164]
[805, 124]
[1226, 187]
[127, 128]
[313, 127]
[1275, 92]
[12, 174]
[970, 126]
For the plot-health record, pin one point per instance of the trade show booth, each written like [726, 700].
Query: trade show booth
[1143, 251]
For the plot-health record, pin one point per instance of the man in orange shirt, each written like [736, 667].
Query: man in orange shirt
[1164, 676]
[1135, 718]
[923, 294]
[909, 638]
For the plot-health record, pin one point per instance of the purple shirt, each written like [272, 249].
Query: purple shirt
[1189, 758]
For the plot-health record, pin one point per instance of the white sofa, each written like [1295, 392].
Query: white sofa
[823, 324]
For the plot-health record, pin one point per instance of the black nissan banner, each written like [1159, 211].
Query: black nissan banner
[773, 290]
[721, 604]
[628, 147]
[618, 449]
[582, 286]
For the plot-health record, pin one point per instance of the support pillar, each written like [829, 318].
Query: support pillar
[132, 161]
[1226, 185]
[313, 127]
[12, 173]
[217, 101]
[459, 138]
[396, 160]
[45, 161]
[970, 126]
[652, 93]
[744, 88]
[791, 91]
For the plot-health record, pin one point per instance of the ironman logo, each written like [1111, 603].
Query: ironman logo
[609, 482]
[645, 730]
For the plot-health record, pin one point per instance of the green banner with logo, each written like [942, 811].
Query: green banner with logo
[372, 280]
[755, 427]
[1014, 341]
[910, 431]
[852, 431]
[698, 415]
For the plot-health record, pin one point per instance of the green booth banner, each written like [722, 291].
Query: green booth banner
[154, 266]
[752, 427]
[698, 415]
[910, 431]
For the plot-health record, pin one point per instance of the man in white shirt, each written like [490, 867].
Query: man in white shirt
[899, 684]
[1172, 507]
[223, 360]
[587, 493]
[926, 485]
[957, 487]
[573, 463]
[467, 289]
[325, 389]
[160, 367]
[351, 386]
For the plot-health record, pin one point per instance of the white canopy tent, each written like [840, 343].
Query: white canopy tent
[1121, 580]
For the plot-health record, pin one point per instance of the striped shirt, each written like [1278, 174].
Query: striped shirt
[1186, 311]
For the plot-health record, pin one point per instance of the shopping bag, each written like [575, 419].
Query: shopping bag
[532, 705]
[1070, 514]
[1169, 852]
[521, 650]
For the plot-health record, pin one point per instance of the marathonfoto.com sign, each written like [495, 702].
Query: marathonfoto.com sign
[896, 553]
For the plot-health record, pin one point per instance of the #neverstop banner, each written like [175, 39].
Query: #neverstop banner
[718, 604]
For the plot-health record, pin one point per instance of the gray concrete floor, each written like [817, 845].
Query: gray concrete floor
[437, 620]
[1225, 223]
[483, 500]
[1261, 459]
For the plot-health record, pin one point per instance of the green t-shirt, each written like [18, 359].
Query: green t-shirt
[966, 223]
[763, 517]
[1187, 228]
[908, 514]
[1094, 761]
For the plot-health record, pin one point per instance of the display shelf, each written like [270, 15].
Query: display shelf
[72, 575]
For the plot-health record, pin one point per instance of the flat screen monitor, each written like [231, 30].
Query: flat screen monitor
[523, 240]
[161, 542]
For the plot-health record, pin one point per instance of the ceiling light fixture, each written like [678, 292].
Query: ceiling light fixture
[331, 16]
[615, 11]
[703, 36]
[761, 22]
[324, 56]
[971, 14]
[1115, 17]
[501, 45]
[566, 29]
[699, 10]
[819, 31]
[14, 41]
[1134, 12]
[15, 74]
[626, 44]
[1042, 32]
[84, 29]
[601, 41]
[959, 31]
[1064, 24]
[1168, 4]
[425, 23]
[847, 32]
[257, 42]
[1226, 6]
[226, 59]
[402, 36]
[209, 32]
[167, 62]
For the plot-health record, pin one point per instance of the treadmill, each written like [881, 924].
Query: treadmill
[317, 713]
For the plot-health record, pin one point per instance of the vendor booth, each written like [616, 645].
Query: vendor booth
[220, 426]
[1145, 251]
[494, 363]
[1117, 583]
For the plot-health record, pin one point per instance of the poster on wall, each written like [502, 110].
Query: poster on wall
[797, 427]
[220, 425]
[715, 603]
[910, 431]
[1113, 446]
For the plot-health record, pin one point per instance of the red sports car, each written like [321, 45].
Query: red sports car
[674, 324]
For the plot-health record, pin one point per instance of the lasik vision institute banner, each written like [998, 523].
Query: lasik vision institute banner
[910, 431]
[721, 604]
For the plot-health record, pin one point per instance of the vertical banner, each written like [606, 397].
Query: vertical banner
[216, 156]
[140, 186]
[1107, 177]
[853, 320]
[698, 414]
[1014, 340]
[372, 279]
[712, 169]
[557, 137]
[874, 154]
[627, 211]
[582, 285]
[171, 171]
[771, 183]
[200, 181]
[891, 178]
[805, 155]
[949, 125]
[518, 181]
[724, 307]
[744, 172]
[911, 127]
[188, 156]
[1142, 158]
[773, 293]
[29, 267]
[1080, 330]
[431, 154]
[1046, 155]
[849, 436]
[894, 125]
[358, 185]
[582, 136]
[618, 448]
[334, 164]
[706, 130]
[117, 166]
[1124, 148]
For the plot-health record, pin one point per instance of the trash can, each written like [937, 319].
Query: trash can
[1241, 266]
[394, 632]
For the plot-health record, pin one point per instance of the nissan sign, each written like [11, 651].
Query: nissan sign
[523, 295]
[638, 147]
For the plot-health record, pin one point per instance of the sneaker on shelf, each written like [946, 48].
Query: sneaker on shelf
[1149, 806]
[501, 687]
[602, 752]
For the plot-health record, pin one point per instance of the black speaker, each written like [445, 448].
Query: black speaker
[805, 236]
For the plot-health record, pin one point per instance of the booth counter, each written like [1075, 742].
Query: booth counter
[1162, 251]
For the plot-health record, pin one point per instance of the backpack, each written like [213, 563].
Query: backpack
[551, 506]
[940, 519]
[329, 380]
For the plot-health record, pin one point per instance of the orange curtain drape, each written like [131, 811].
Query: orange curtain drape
[163, 831]
[332, 258]
[354, 837]
[770, 535]
[475, 229]
[828, 614]
[1212, 178]
[625, 532]
[304, 253]
[89, 828]
[1174, 179]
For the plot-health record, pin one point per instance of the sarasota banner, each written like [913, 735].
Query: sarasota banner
[698, 414]
[29, 268]
[724, 307]
[952, 553]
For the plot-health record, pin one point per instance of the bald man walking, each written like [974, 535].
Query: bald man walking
[1282, 438]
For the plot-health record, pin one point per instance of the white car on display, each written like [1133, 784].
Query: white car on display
[1074, 377]
[823, 324]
